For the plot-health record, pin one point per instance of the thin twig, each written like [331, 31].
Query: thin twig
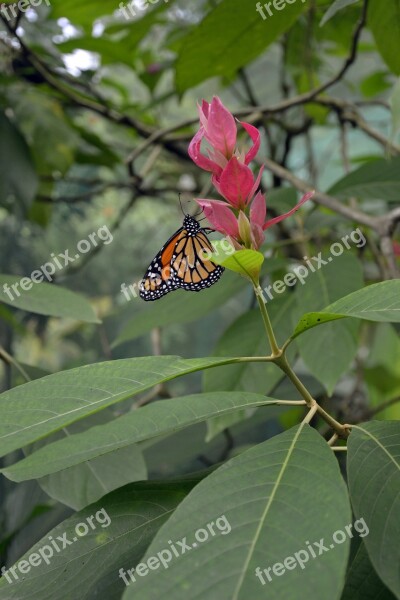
[10, 360]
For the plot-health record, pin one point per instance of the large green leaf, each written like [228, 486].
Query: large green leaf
[152, 421]
[39, 408]
[89, 567]
[213, 47]
[362, 583]
[373, 465]
[329, 353]
[88, 481]
[262, 508]
[45, 299]
[180, 307]
[18, 181]
[378, 179]
[385, 25]
[377, 302]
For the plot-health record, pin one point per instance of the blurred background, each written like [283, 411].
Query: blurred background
[97, 106]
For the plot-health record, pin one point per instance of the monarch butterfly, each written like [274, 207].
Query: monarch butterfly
[181, 263]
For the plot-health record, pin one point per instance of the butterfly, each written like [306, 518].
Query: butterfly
[181, 263]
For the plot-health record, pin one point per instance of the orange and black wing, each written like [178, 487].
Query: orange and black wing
[159, 278]
[181, 263]
[192, 269]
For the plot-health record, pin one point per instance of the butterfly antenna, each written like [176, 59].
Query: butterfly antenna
[180, 202]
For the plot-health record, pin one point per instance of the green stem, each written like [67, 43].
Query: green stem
[340, 429]
[283, 364]
[10, 360]
[279, 358]
[276, 352]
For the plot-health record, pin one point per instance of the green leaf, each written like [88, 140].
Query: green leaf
[44, 406]
[385, 26]
[246, 262]
[152, 421]
[362, 583]
[373, 466]
[37, 112]
[15, 159]
[180, 307]
[45, 299]
[328, 354]
[88, 481]
[82, 13]
[259, 505]
[375, 84]
[219, 32]
[376, 302]
[334, 8]
[89, 567]
[376, 180]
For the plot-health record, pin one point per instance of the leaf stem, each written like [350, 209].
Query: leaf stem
[10, 360]
[276, 352]
[279, 358]
[310, 413]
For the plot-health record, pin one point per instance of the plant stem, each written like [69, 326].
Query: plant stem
[10, 360]
[276, 352]
[340, 429]
[279, 358]
[283, 364]
[310, 413]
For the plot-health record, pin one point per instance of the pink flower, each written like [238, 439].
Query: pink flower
[219, 129]
[220, 216]
[235, 183]
[243, 215]
[243, 229]
[258, 211]
[219, 126]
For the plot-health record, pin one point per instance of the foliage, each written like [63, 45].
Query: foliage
[276, 437]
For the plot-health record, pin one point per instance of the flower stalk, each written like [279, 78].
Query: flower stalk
[241, 215]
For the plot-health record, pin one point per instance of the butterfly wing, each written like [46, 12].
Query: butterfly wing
[159, 278]
[193, 271]
[181, 263]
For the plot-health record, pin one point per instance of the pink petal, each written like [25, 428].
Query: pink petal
[203, 113]
[256, 139]
[218, 158]
[236, 182]
[198, 158]
[288, 214]
[257, 183]
[257, 236]
[221, 129]
[258, 210]
[220, 216]
[205, 107]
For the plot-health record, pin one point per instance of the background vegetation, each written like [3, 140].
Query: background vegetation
[96, 112]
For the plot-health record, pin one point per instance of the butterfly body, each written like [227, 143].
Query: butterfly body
[182, 263]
